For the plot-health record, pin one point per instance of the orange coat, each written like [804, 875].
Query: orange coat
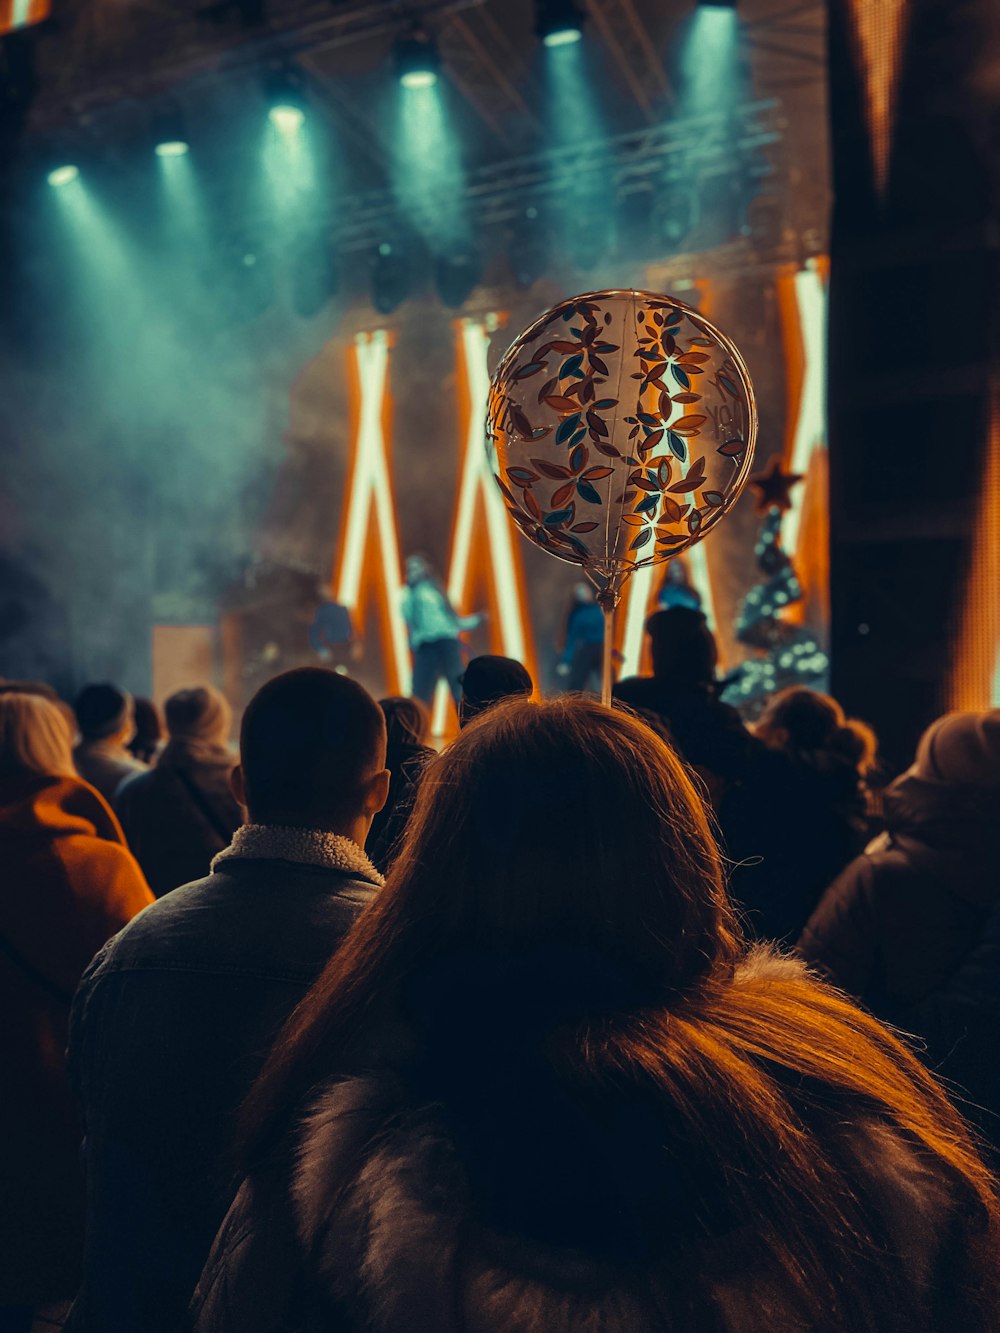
[67, 884]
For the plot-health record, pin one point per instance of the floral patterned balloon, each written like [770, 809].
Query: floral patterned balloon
[622, 427]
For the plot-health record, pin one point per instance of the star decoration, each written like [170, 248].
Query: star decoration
[773, 485]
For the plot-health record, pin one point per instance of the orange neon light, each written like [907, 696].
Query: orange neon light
[368, 565]
[975, 681]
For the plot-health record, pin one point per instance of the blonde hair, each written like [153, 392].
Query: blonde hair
[34, 737]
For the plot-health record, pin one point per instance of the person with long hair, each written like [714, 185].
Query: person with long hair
[544, 1085]
[67, 884]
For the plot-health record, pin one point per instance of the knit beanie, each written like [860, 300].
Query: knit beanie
[200, 715]
[101, 710]
[961, 748]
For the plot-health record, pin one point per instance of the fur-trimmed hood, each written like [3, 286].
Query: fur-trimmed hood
[390, 1205]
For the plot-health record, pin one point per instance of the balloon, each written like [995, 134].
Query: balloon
[621, 426]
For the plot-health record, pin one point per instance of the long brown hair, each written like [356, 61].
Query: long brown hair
[558, 826]
[34, 737]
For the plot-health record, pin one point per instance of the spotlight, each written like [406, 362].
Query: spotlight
[283, 87]
[169, 133]
[417, 60]
[391, 276]
[558, 22]
[63, 175]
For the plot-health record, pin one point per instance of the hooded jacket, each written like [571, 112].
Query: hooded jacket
[67, 884]
[501, 1204]
[907, 913]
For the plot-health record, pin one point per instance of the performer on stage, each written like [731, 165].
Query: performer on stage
[434, 626]
[677, 588]
[331, 634]
[582, 655]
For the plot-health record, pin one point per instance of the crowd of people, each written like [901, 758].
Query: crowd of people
[617, 1020]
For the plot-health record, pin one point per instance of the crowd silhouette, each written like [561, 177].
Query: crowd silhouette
[630, 1019]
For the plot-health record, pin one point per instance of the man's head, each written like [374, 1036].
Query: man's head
[489, 679]
[104, 713]
[683, 647]
[417, 568]
[312, 754]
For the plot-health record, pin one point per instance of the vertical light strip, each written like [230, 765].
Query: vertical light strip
[975, 681]
[639, 601]
[810, 425]
[635, 608]
[370, 498]
[879, 32]
[477, 481]
[478, 496]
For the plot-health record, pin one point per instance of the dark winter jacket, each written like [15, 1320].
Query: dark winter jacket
[804, 817]
[905, 915]
[520, 1211]
[910, 928]
[169, 1029]
[180, 814]
[708, 734]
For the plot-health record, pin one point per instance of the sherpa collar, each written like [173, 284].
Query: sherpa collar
[304, 846]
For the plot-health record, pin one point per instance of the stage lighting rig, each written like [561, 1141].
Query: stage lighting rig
[284, 88]
[558, 22]
[417, 59]
[64, 174]
[169, 133]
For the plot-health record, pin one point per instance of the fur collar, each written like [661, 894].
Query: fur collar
[309, 847]
[384, 1207]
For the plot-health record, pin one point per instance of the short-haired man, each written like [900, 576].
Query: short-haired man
[487, 680]
[174, 1017]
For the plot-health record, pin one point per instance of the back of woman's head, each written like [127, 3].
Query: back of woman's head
[555, 829]
[809, 724]
[35, 737]
[563, 821]
[407, 721]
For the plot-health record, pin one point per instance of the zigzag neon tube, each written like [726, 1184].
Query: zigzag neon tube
[477, 483]
[477, 480]
[810, 426]
[371, 494]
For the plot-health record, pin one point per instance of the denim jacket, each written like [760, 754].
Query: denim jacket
[169, 1029]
